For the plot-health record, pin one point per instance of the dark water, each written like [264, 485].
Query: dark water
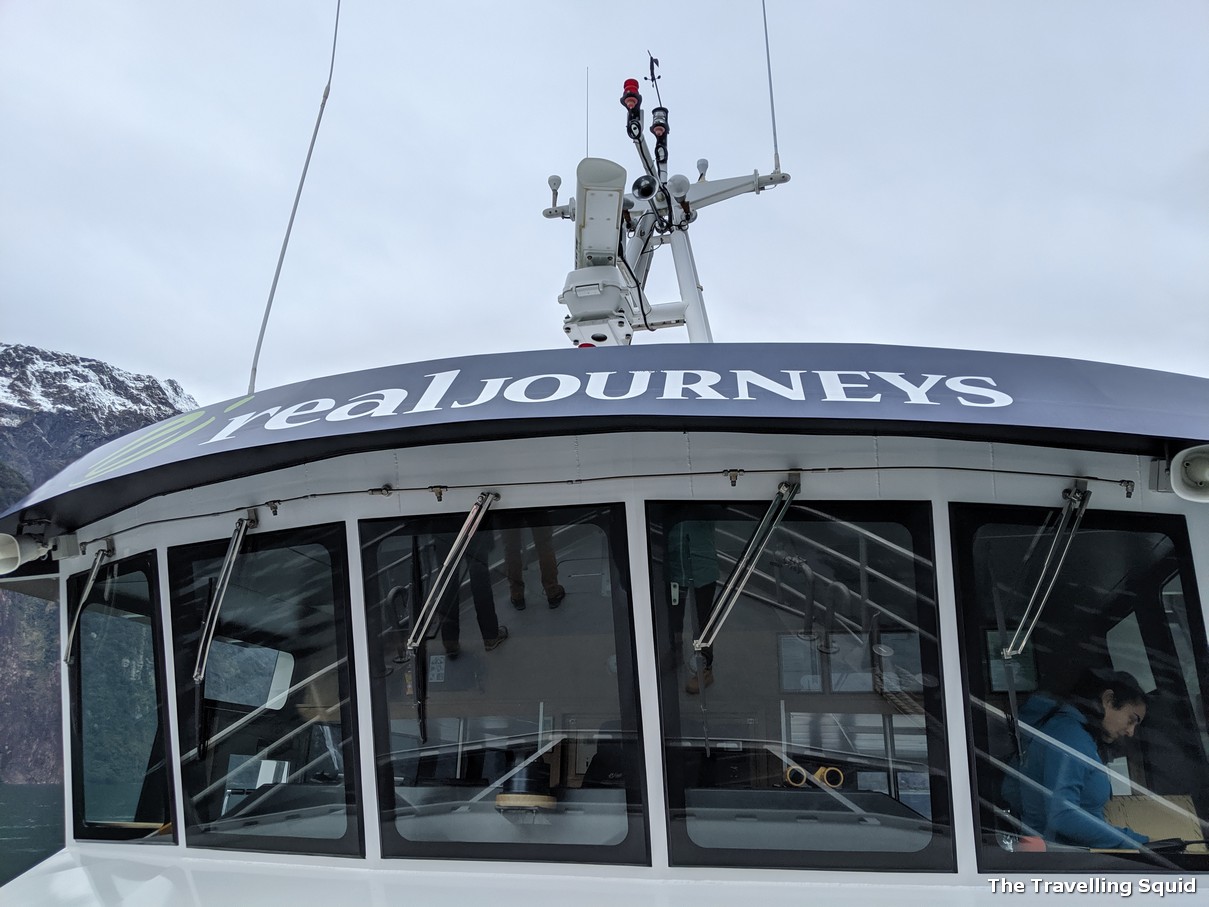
[31, 826]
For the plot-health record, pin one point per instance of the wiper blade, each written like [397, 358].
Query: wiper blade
[105, 551]
[746, 564]
[452, 560]
[242, 525]
[1077, 499]
[421, 622]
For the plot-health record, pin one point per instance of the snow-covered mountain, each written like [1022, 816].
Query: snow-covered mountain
[55, 407]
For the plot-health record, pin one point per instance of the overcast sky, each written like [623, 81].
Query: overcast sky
[1024, 175]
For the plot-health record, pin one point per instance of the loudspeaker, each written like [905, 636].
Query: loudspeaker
[16, 550]
[1190, 473]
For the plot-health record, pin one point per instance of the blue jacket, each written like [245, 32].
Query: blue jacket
[1068, 807]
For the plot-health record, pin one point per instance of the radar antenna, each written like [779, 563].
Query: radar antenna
[617, 233]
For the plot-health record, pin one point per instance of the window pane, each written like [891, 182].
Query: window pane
[810, 732]
[512, 731]
[121, 786]
[268, 741]
[1108, 748]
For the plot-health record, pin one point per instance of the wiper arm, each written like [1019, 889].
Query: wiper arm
[242, 525]
[452, 560]
[421, 622]
[1077, 499]
[746, 564]
[105, 551]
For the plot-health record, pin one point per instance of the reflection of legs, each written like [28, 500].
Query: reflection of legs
[480, 590]
[451, 622]
[514, 566]
[547, 562]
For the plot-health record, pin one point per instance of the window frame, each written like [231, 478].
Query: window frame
[635, 850]
[940, 854]
[965, 519]
[333, 537]
[145, 562]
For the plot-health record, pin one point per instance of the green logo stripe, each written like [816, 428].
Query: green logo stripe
[152, 441]
[137, 450]
[138, 454]
[171, 428]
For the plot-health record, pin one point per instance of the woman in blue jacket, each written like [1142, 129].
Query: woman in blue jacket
[1065, 784]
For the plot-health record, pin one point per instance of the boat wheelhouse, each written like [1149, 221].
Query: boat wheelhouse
[683, 622]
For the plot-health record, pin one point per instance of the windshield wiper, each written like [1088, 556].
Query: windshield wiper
[421, 622]
[242, 525]
[477, 511]
[1077, 499]
[218, 590]
[105, 551]
[746, 564]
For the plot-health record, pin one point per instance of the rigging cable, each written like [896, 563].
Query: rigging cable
[643, 305]
[293, 211]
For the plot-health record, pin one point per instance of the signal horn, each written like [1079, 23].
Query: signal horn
[1190, 473]
[16, 550]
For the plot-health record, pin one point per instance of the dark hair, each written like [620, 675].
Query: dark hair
[1087, 696]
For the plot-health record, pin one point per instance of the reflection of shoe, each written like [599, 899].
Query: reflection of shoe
[555, 595]
[490, 644]
[452, 650]
[698, 681]
[518, 602]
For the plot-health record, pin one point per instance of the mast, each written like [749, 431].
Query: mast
[617, 234]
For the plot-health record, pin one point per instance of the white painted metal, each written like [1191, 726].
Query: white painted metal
[626, 468]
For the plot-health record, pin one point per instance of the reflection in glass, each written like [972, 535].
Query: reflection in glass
[1058, 778]
[511, 731]
[811, 734]
[121, 784]
[268, 742]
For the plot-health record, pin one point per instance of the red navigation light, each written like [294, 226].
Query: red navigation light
[585, 345]
[630, 98]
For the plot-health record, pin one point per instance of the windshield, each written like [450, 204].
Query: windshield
[809, 732]
[511, 730]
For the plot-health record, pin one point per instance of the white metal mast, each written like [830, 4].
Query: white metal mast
[617, 234]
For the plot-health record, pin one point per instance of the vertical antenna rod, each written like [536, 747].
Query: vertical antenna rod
[293, 211]
[776, 151]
